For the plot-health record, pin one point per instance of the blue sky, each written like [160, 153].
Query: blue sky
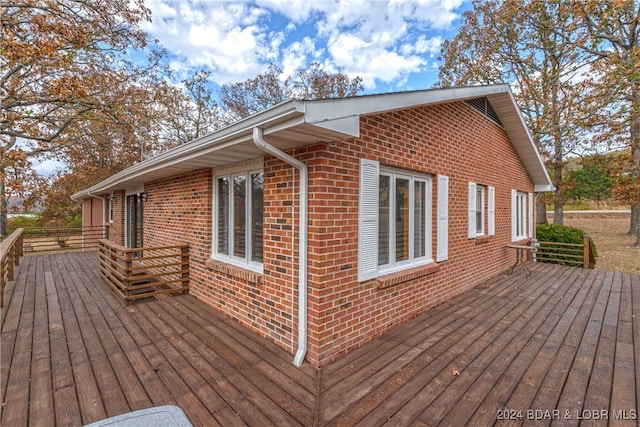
[392, 45]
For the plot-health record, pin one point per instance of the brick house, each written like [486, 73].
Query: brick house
[322, 224]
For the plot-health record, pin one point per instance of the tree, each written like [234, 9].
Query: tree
[187, 112]
[589, 179]
[240, 100]
[57, 59]
[532, 46]
[612, 30]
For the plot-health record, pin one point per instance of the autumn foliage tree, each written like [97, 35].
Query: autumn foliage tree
[69, 92]
[242, 99]
[187, 112]
[611, 29]
[533, 46]
[57, 60]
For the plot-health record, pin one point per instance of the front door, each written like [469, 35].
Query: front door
[134, 221]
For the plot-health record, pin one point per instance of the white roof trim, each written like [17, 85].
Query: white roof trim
[332, 119]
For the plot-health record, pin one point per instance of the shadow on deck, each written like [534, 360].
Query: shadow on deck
[563, 344]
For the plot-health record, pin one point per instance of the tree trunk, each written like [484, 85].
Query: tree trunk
[3, 209]
[541, 211]
[558, 200]
[635, 162]
[558, 214]
[3, 196]
[635, 218]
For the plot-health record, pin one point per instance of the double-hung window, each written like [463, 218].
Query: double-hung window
[110, 208]
[481, 210]
[395, 220]
[521, 215]
[238, 217]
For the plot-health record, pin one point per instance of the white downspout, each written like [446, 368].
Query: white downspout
[302, 280]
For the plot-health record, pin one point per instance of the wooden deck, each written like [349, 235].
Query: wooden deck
[563, 345]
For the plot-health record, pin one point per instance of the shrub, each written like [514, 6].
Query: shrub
[23, 221]
[561, 234]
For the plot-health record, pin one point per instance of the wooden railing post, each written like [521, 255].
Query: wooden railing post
[10, 252]
[128, 274]
[586, 249]
[10, 264]
[3, 283]
[19, 249]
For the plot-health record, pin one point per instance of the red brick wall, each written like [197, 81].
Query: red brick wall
[116, 228]
[93, 212]
[179, 209]
[451, 139]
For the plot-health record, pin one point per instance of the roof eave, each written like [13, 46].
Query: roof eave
[334, 118]
[507, 109]
[239, 131]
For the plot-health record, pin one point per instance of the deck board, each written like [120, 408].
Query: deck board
[563, 339]
[523, 376]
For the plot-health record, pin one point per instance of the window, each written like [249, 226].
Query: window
[110, 208]
[479, 210]
[521, 215]
[238, 217]
[481, 207]
[395, 219]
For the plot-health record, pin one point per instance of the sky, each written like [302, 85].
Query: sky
[393, 45]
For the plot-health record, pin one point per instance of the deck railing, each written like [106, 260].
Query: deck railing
[136, 273]
[10, 253]
[63, 239]
[572, 254]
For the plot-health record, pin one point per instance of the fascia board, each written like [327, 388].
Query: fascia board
[226, 137]
[524, 144]
[320, 111]
[543, 188]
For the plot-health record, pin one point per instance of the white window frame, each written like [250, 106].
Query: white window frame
[480, 209]
[520, 215]
[243, 262]
[369, 227]
[487, 210]
[110, 209]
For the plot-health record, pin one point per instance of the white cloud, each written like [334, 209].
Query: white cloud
[222, 37]
[378, 40]
[48, 167]
[369, 61]
[298, 11]
[298, 54]
[424, 45]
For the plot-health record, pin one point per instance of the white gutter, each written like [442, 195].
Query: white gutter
[302, 280]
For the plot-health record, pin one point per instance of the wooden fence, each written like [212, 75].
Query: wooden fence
[136, 273]
[572, 254]
[63, 239]
[10, 253]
